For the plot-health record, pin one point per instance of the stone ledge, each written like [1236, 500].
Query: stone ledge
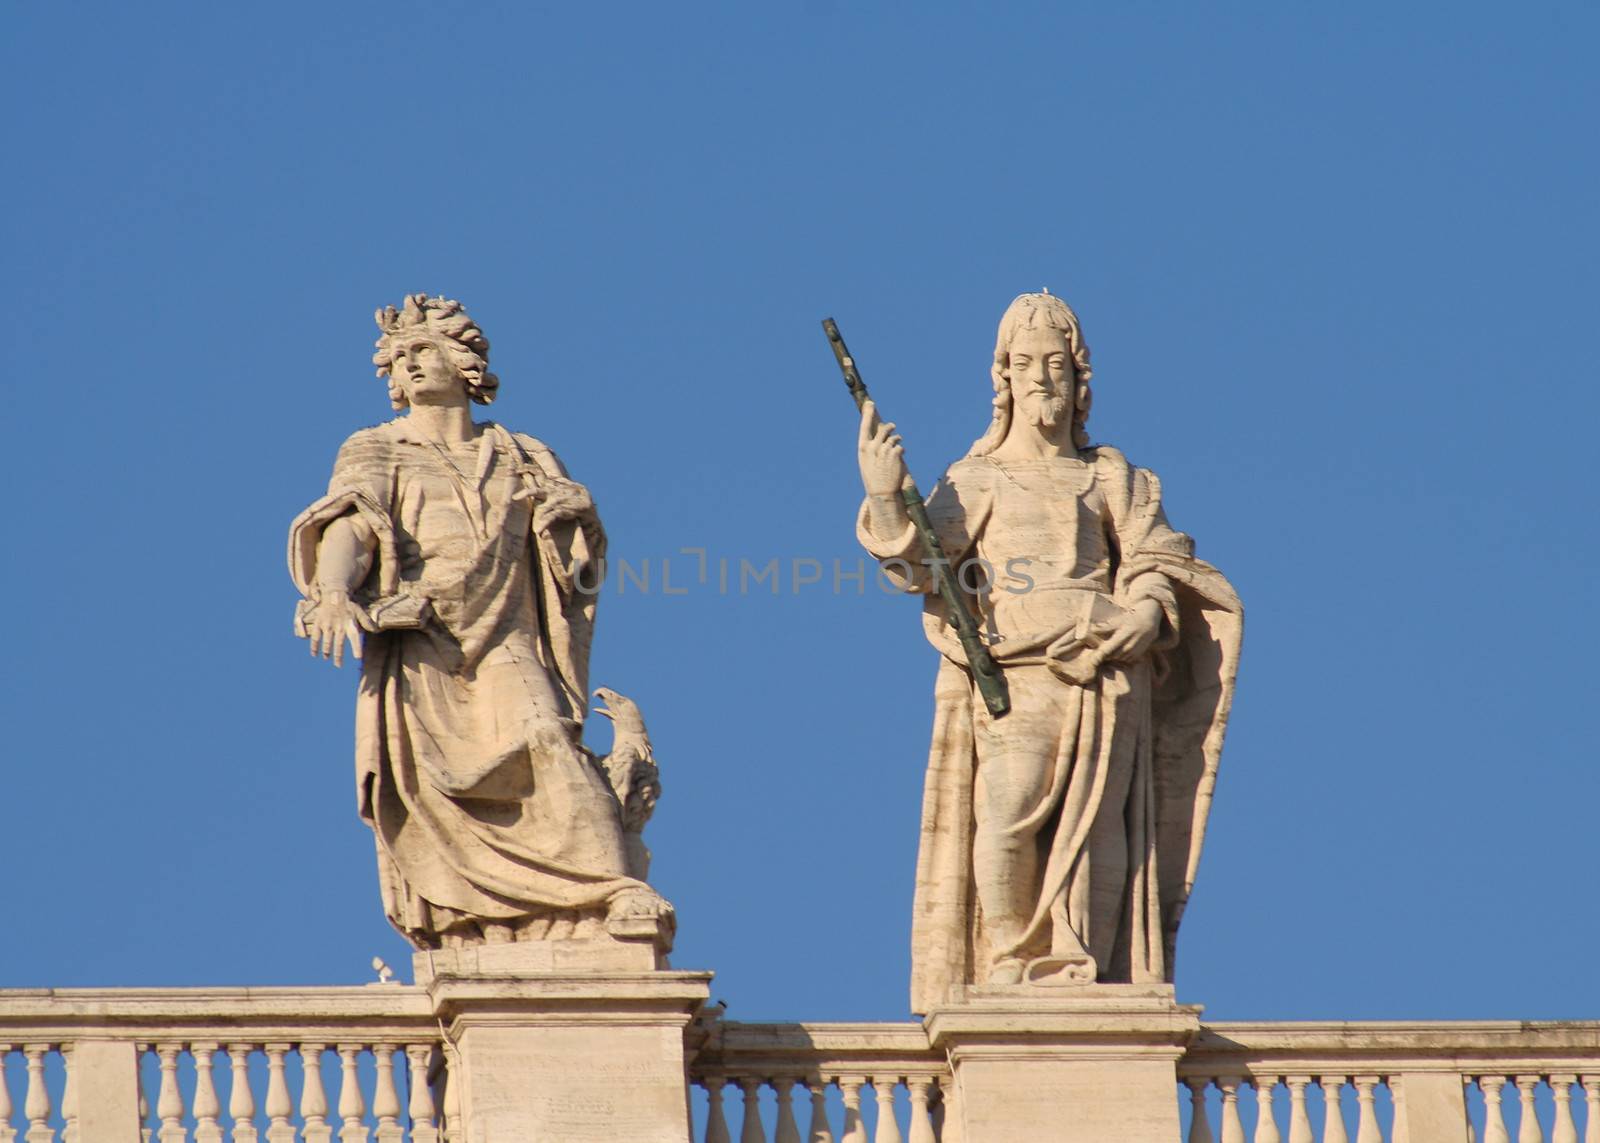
[535, 958]
[674, 997]
[1091, 1020]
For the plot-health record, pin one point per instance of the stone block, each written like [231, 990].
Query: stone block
[106, 1090]
[575, 1057]
[1085, 1065]
[531, 958]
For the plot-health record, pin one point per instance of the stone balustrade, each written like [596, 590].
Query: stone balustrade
[270, 1065]
[1394, 1082]
[369, 1065]
[837, 1078]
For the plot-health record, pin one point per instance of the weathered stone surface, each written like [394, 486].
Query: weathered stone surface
[574, 1057]
[1094, 1064]
[106, 1090]
[526, 958]
[1059, 840]
[462, 562]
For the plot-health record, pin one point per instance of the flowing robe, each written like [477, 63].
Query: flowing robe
[1124, 755]
[474, 682]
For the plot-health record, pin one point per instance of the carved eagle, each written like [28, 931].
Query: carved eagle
[631, 769]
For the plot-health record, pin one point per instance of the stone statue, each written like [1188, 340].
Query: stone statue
[1059, 840]
[453, 557]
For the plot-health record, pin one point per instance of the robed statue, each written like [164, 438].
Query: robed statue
[461, 563]
[1060, 836]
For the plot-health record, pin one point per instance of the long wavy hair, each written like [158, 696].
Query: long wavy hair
[1031, 311]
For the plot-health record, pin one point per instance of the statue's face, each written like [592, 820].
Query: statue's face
[426, 374]
[1041, 375]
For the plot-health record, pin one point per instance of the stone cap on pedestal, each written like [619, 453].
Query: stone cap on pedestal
[1091, 1018]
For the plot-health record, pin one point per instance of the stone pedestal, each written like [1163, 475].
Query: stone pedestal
[1432, 1105]
[1091, 1064]
[545, 1045]
[105, 1090]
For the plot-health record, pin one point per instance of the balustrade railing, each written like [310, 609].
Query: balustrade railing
[848, 1083]
[230, 1065]
[369, 1065]
[41, 1103]
[1501, 1082]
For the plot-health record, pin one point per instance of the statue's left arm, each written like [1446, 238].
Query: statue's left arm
[571, 547]
[1143, 541]
[565, 520]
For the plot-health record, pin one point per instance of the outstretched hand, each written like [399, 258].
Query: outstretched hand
[880, 454]
[332, 622]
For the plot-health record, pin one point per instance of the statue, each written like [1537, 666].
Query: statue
[1060, 837]
[453, 558]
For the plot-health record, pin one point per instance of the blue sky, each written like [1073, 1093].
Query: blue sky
[1338, 269]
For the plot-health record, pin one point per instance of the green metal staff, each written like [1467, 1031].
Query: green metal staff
[985, 671]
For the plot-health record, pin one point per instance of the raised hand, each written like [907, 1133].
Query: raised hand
[880, 454]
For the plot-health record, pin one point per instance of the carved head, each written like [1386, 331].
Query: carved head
[428, 341]
[1041, 365]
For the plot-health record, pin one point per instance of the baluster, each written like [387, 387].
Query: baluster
[819, 1130]
[788, 1130]
[455, 1130]
[1266, 1125]
[144, 1119]
[279, 1107]
[1232, 1125]
[313, 1100]
[241, 1101]
[888, 1129]
[206, 1104]
[1299, 1118]
[1528, 1127]
[169, 1103]
[716, 1123]
[1566, 1131]
[750, 1130]
[36, 1104]
[1591, 1103]
[918, 1087]
[69, 1100]
[855, 1128]
[1494, 1112]
[352, 1108]
[1401, 1132]
[1333, 1110]
[1199, 1126]
[7, 1132]
[420, 1107]
[1367, 1122]
[385, 1098]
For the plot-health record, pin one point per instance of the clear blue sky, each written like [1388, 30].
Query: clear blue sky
[1337, 265]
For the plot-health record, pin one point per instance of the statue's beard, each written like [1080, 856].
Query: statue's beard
[1049, 411]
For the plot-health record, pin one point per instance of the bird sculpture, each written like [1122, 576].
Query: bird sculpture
[631, 769]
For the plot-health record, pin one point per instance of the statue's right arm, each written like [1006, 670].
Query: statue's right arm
[344, 556]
